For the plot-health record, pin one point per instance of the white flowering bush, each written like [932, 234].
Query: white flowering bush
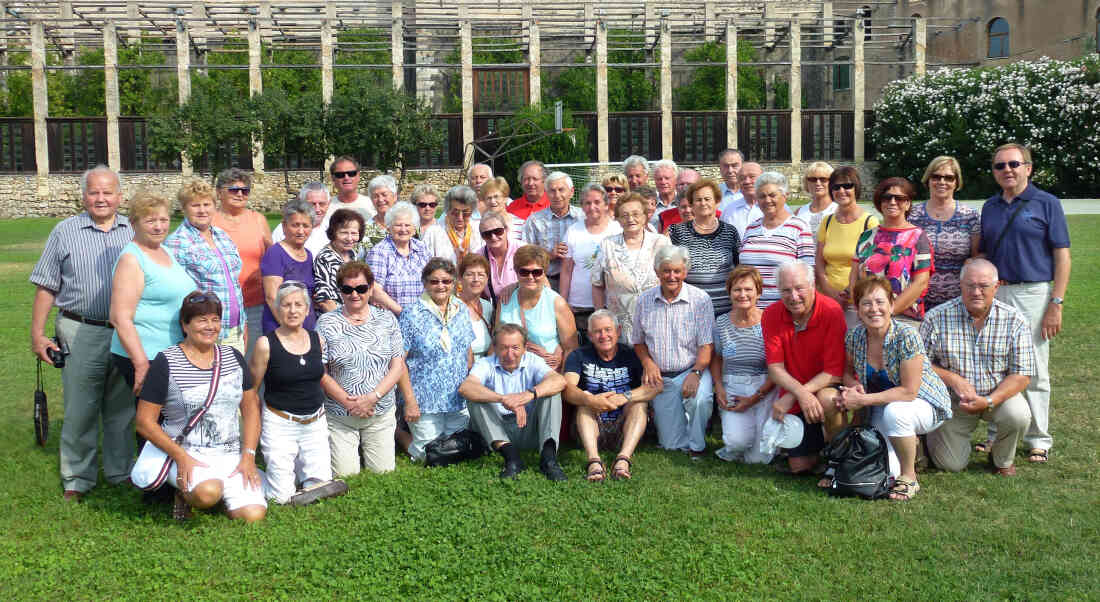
[1053, 107]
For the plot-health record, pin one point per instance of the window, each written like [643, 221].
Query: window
[842, 74]
[500, 89]
[998, 38]
[865, 12]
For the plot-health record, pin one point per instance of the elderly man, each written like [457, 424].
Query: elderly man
[673, 337]
[547, 227]
[345, 175]
[744, 210]
[478, 174]
[604, 381]
[533, 178]
[636, 168]
[78, 281]
[729, 167]
[804, 348]
[681, 212]
[1024, 234]
[687, 177]
[514, 403]
[316, 194]
[982, 349]
[665, 173]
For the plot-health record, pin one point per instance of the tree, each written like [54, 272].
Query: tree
[289, 125]
[211, 125]
[629, 88]
[706, 88]
[362, 46]
[528, 128]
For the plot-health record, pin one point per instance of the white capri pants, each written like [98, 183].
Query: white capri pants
[218, 467]
[741, 430]
[903, 419]
[432, 426]
[295, 453]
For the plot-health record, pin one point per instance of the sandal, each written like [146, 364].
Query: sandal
[904, 490]
[181, 509]
[618, 473]
[984, 447]
[826, 481]
[1038, 456]
[595, 475]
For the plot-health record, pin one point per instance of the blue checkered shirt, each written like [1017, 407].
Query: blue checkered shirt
[399, 275]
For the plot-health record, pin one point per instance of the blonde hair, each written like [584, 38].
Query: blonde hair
[497, 184]
[193, 190]
[816, 168]
[146, 201]
[939, 162]
[616, 178]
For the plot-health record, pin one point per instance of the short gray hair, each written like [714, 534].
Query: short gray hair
[404, 208]
[422, 191]
[526, 164]
[667, 164]
[594, 186]
[298, 206]
[672, 253]
[636, 161]
[795, 265]
[233, 174]
[380, 181]
[308, 187]
[460, 194]
[97, 170]
[497, 216]
[775, 178]
[559, 175]
[470, 172]
[979, 263]
[604, 313]
[288, 288]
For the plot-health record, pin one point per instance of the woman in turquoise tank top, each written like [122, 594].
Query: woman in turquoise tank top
[147, 291]
[551, 329]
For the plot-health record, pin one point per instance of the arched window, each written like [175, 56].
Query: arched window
[998, 38]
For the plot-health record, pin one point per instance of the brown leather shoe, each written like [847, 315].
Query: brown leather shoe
[1007, 471]
[72, 495]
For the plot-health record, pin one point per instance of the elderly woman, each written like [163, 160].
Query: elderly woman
[896, 249]
[251, 235]
[438, 334]
[816, 185]
[714, 245]
[147, 288]
[952, 228]
[473, 274]
[740, 371]
[197, 387]
[289, 259]
[288, 361]
[837, 238]
[776, 238]
[624, 265]
[318, 196]
[500, 250]
[617, 187]
[551, 329]
[383, 194]
[888, 372]
[426, 200]
[458, 235]
[364, 358]
[493, 197]
[345, 230]
[397, 261]
[211, 258]
[583, 241]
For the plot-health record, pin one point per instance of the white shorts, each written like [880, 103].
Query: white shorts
[235, 493]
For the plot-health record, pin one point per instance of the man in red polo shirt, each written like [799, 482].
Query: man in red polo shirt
[532, 177]
[804, 347]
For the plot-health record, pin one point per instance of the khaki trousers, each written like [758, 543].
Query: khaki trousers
[949, 445]
[350, 436]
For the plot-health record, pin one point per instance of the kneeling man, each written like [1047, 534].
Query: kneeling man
[604, 381]
[514, 402]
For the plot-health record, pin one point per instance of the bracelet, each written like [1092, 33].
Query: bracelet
[249, 450]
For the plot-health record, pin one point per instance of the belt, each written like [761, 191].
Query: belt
[674, 373]
[79, 318]
[293, 418]
[1014, 282]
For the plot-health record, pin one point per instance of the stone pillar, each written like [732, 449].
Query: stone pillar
[858, 92]
[397, 44]
[651, 22]
[265, 21]
[467, 56]
[769, 87]
[133, 32]
[41, 108]
[666, 90]
[920, 45]
[590, 23]
[731, 85]
[68, 43]
[326, 61]
[603, 154]
[534, 62]
[110, 77]
[796, 92]
[255, 86]
[827, 22]
[710, 20]
[183, 74]
[3, 52]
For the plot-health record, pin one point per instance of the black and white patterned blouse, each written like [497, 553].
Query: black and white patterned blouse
[712, 257]
[359, 355]
[325, 267]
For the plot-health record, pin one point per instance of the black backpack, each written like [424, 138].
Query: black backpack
[859, 459]
[454, 448]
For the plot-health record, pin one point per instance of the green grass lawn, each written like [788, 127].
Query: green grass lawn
[678, 530]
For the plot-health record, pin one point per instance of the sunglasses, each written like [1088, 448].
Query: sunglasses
[202, 298]
[438, 281]
[615, 189]
[1011, 164]
[422, 205]
[339, 175]
[292, 283]
[361, 289]
[239, 189]
[894, 198]
[494, 233]
[817, 180]
[844, 185]
[526, 273]
[942, 177]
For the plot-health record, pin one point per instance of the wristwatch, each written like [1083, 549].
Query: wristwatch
[1057, 300]
[629, 395]
[698, 373]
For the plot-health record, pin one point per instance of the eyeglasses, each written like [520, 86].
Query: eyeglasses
[458, 212]
[526, 273]
[817, 180]
[894, 198]
[339, 175]
[494, 233]
[977, 287]
[1011, 164]
[615, 189]
[438, 281]
[245, 190]
[423, 205]
[942, 177]
[361, 289]
[844, 185]
[201, 298]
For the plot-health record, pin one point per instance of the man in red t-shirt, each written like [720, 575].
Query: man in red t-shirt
[804, 347]
[532, 177]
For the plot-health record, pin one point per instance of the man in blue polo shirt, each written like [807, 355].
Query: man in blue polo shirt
[1024, 234]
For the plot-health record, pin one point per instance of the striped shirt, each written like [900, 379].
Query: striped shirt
[359, 356]
[673, 331]
[984, 357]
[325, 266]
[546, 230]
[216, 270]
[712, 257]
[78, 263]
[399, 275]
[767, 250]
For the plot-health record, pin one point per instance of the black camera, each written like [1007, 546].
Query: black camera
[57, 356]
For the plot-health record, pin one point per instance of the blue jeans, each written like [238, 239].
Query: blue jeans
[682, 423]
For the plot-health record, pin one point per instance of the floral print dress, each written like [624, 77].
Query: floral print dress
[625, 273]
[898, 254]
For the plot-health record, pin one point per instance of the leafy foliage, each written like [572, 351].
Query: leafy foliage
[628, 88]
[289, 125]
[212, 125]
[528, 126]
[361, 46]
[706, 88]
[1053, 107]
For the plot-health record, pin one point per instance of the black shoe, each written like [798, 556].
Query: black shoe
[320, 491]
[512, 469]
[552, 469]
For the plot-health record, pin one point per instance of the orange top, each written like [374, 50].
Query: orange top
[248, 234]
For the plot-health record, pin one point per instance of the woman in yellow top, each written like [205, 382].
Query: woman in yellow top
[837, 238]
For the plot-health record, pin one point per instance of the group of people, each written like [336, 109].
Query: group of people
[364, 325]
